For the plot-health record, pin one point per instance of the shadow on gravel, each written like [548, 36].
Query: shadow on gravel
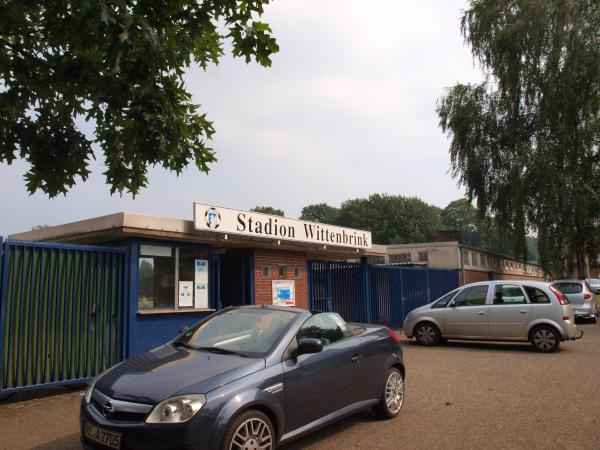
[331, 430]
[479, 346]
[39, 394]
[70, 442]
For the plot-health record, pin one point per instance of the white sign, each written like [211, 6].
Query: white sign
[246, 223]
[284, 293]
[201, 283]
[186, 293]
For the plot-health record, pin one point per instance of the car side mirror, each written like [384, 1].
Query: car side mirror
[183, 329]
[308, 345]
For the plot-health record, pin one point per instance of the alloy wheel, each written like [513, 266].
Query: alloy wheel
[544, 339]
[394, 392]
[252, 434]
[426, 334]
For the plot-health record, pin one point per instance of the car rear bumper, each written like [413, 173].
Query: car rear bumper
[199, 432]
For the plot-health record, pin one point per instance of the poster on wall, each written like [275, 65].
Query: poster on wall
[283, 293]
[201, 284]
[186, 293]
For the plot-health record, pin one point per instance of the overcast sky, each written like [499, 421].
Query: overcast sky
[347, 109]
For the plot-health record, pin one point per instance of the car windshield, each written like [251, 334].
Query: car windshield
[245, 331]
[594, 283]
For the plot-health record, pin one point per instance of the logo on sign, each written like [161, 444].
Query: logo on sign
[213, 218]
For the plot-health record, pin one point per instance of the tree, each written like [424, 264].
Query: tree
[525, 141]
[320, 212]
[461, 215]
[392, 219]
[268, 210]
[120, 66]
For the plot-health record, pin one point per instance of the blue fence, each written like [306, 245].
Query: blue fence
[375, 293]
[62, 312]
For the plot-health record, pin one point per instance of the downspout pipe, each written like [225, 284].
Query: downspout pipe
[462, 263]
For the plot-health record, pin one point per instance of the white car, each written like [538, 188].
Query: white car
[500, 310]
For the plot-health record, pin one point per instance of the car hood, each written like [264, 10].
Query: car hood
[421, 308]
[163, 372]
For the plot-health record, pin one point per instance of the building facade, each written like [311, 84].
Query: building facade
[472, 264]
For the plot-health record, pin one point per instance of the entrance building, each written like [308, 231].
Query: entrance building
[183, 270]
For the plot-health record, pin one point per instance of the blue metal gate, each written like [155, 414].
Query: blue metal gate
[62, 312]
[375, 293]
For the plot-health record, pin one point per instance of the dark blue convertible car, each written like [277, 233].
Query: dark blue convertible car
[245, 378]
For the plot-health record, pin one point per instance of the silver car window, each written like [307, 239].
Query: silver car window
[508, 294]
[442, 302]
[536, 296]
[471, 296]
[569, 288]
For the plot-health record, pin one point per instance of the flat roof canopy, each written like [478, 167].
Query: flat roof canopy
[125, 224]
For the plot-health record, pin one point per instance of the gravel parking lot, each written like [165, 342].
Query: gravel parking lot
[460, 395]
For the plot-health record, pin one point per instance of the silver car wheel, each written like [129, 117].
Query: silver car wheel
[426, 334]
[544, 339]
[252, 434]
[394, 392]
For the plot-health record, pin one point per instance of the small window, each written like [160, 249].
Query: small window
[423, 256]
[328, 327]
[283, 271]
[472, 296]
[536, 295]
[266, 272]
[442, 302]
[297, 272]
[508, 294]
[400, 258]
[569, 288]
[467, 257]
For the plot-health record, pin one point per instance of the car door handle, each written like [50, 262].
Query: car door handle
[355, 358]
[523, 311]
[480, 313]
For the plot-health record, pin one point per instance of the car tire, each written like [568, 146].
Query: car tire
[252, 428]
[427, 334]
[392, 395]
[544, 339]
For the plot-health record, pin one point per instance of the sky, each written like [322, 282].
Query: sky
[347, 109]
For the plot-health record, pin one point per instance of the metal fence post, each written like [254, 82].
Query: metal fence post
[367, 291]
[427, 282]
[329, 288]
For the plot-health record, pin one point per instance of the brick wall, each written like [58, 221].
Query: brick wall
[275, 259]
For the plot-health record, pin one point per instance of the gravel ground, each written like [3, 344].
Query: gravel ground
[458, 396]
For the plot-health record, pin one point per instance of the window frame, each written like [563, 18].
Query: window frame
[350, 334]
[525, 296]
[487, 297]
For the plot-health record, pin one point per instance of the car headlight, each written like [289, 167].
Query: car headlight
[177, 409]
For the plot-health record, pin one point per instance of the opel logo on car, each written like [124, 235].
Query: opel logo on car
[213, 218]
[108, 409]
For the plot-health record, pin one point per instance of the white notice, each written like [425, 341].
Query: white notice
[201, 284]
[186, 293]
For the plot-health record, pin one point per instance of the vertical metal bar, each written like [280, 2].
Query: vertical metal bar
[243, 280]
[329, 288]
[251, 277]
[4, 252]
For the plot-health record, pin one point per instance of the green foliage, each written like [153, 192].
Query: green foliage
[525, 141]
[320, 212]
[268, 210]
[118, 64]
[392, 219]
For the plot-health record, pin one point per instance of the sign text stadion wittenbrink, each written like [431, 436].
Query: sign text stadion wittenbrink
[247, 223]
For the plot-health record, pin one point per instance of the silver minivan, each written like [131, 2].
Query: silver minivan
[502, 310]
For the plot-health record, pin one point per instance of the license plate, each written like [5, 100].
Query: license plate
[101, 436]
